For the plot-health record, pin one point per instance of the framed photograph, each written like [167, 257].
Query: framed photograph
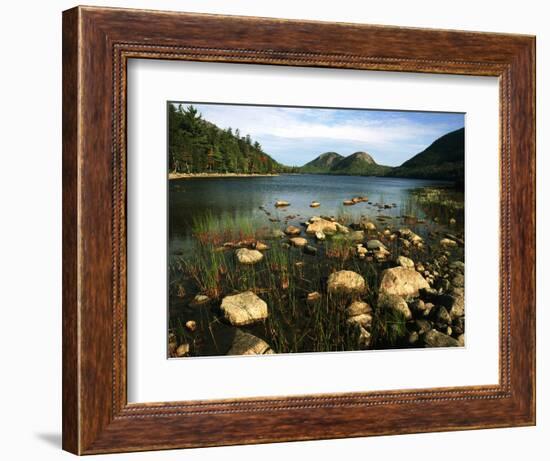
[282, 230]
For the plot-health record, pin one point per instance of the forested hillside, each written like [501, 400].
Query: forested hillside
[443, 159]
[198, 146]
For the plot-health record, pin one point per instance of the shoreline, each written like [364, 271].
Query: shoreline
[218, 175]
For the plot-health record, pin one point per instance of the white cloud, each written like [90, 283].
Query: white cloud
[314, 123]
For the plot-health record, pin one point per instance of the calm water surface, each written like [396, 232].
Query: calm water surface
[189, 199]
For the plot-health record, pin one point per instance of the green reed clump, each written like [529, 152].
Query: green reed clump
[207, 268]
[441, 203]
[388, 327]
[216, 230]
[340, 249]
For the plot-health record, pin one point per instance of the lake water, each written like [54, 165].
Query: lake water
[190, 199]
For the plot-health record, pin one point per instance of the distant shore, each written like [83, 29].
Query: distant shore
[217, 175]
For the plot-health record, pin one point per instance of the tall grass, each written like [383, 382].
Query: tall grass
[283, 278]
[388, 327]
[216, 230]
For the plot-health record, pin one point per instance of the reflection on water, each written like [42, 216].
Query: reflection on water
[190, 199]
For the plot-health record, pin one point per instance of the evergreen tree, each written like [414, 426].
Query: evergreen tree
[196, 145]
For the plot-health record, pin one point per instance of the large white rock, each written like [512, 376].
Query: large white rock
[248, 344]
[346, 282]
[402, 281]
[395, 303]
[246, 256]
[244, 308]
[358, 308]
[322, 225]
[298, 241]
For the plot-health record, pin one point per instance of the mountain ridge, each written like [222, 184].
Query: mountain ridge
[442, 159]
[359, 163]
[321, 163]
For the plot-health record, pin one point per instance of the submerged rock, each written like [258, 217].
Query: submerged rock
[310, 250]
[402, 281]
[248, 344]
[243, 308]
[298, 241]
[246, 256]
[434, 338]
[273, 234]
[281, 203]
[347, 282]
[293, 230]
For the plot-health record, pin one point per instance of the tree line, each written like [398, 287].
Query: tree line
[197, 146]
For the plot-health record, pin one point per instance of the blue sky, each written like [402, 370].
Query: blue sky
[295, 136]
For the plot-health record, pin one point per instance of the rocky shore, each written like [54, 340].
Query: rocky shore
[322, 285]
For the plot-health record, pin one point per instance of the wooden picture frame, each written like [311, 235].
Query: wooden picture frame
[97, 43]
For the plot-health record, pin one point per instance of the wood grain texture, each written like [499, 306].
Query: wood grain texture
[97, 43]
[70, 390]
